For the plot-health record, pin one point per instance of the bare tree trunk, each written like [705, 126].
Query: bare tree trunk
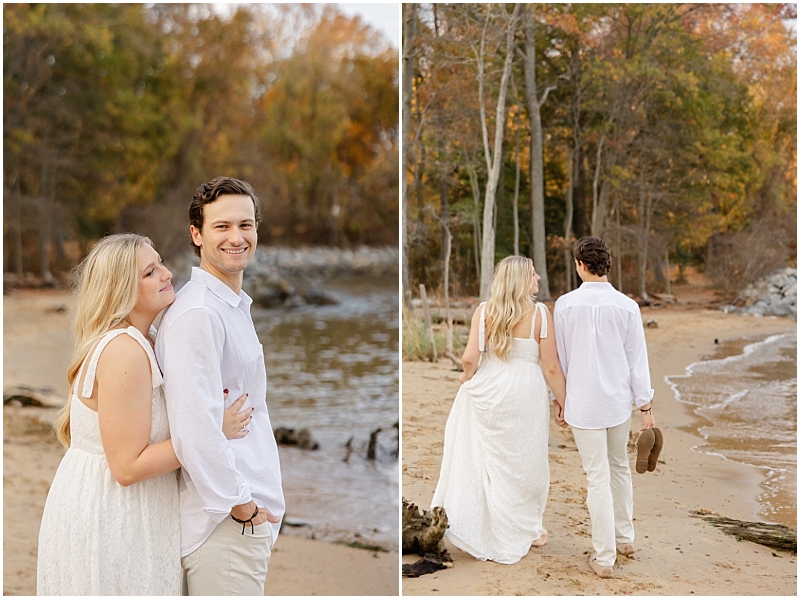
[409, 31]
[642, 217]
[418, 169]
[518, 123]
[619, 256]
[46, 215]
[448, 238]
[476, 223]
[596, 183]
[493, 155]
[516, 192]
[568, 266]
[573, 167]
[669, 275]
[538, 234]
[428, 323]
[444, 199]
[17, 228]
[446, 245]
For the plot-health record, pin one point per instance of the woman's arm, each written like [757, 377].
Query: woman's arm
[472, 354]
[124, 407]
[550, 366]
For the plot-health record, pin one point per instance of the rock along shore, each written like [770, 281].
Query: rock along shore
[292, 277]
[775, 295]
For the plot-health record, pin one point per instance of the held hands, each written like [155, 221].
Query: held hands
[234, 421]
[559, 414]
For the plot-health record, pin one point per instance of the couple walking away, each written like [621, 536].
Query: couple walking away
[495, 475]
[168, 485]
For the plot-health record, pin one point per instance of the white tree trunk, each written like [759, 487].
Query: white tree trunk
[494, 154]
[409, 31]
[539, 241]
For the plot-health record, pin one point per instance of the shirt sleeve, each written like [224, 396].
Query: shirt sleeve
[561, 346]
[190, 353]
[636, 353]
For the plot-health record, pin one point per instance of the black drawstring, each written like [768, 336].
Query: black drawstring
[244, 523]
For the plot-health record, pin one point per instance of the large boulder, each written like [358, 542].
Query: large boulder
[775, 295]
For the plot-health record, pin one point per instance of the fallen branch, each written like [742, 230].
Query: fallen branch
[32, 396]
[776, 536]
[454, 360]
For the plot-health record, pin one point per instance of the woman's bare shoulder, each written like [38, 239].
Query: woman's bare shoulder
[123, 352]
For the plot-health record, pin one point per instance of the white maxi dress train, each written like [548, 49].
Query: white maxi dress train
[495, 475]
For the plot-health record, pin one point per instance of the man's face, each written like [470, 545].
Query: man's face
[228, 237]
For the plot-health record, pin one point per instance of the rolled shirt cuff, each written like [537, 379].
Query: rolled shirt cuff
[641, 401]
[220, 511]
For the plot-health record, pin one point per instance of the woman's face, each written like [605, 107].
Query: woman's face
[534, 282]
[155, 282]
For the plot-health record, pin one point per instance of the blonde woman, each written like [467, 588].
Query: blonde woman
[111, 522]
[495, 476]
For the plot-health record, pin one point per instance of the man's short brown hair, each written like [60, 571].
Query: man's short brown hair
[594, 253]
[209, 192]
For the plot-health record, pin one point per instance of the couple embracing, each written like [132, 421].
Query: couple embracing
[495, 475]
[120, 518]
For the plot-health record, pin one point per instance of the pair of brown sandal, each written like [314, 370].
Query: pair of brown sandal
[648, 448]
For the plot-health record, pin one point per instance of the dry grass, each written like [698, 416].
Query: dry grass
[417, 345]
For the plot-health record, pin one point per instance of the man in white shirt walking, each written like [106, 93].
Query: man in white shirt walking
[602, 351]
[231, 500]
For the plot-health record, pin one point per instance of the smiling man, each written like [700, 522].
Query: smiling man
[230, 492]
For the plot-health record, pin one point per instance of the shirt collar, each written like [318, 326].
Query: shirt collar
[220, 289]
[596, 285]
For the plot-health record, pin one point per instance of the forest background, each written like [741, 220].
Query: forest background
[668, 129]
[115, 113]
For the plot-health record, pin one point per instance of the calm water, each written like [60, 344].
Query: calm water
[748, 393]
[334, 369]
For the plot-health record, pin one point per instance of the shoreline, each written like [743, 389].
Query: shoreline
[36, 345]
[784, 509]
[676, 553]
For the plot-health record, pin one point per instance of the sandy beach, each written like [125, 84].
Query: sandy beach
[676, 554]
[36, 349]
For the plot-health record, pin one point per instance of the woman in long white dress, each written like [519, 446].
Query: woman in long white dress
[111, 524]
[495, 475]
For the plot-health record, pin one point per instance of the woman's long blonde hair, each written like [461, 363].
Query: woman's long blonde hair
[107, 288]
[510, 303]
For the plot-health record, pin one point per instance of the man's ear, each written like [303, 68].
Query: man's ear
[197, 239]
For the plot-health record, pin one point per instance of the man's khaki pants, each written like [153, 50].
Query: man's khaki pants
[229, 563]
[610, 494]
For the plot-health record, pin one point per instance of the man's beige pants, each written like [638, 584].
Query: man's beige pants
[229, 563]
[604, 454]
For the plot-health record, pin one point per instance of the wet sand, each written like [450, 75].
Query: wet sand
[676, 554]
[36, 347]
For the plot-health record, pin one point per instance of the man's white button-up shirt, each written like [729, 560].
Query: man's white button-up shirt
[602, 351]
[207, 343]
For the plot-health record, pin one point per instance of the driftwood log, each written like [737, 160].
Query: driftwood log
[776, 536]
[32, 396]
[423, 534]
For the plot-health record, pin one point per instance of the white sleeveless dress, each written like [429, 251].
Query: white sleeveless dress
[495, 475]
[97, 537]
